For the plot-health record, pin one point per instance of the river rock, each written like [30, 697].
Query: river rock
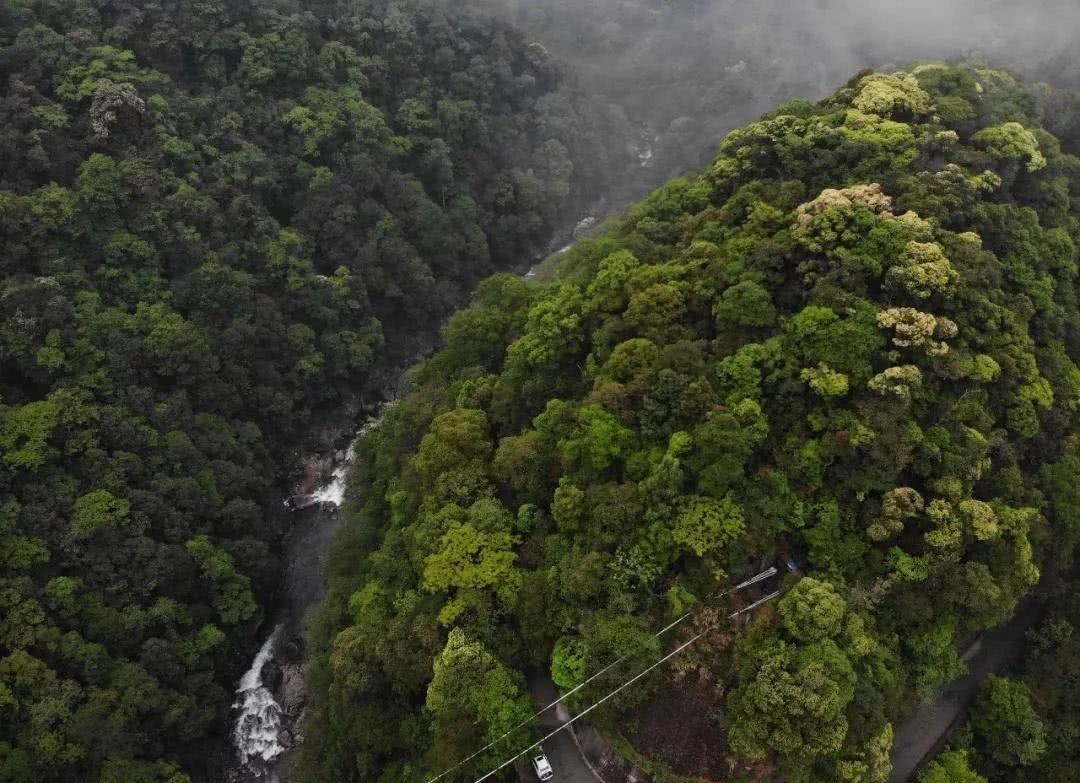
[271, 675]
[292, 651]
[584, 225]
[291, 690]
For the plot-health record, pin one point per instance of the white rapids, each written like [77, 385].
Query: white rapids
[257, 732]
[258, 722]
[333, 491]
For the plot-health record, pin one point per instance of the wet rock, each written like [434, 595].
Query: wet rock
[292, 651]
[271, 675]
[584, 225]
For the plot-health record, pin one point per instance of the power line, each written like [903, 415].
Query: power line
[566, 695]
[585, 712]
[626, 684]
[766, 574]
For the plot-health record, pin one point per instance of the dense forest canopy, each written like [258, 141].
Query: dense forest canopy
[216, 220]
[851, 341]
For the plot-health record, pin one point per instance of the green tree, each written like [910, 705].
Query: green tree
[795, 704]
[705, 525]
[950, 767]
[473, 698]
[812, 610]
[1007, 725]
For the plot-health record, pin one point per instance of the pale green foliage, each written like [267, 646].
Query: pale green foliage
[897, 505]
[456, 437]
[706, 524]
[610, 289]
[918, 229]
[629, 360]
[812, 610]
[569, 663]
[984, 369]
[892, 138]
[469, 683]
[950, 767]
[1011, 141]
[825, 381]
[97, 510]
[553, 330]
[655, 310]
[568, 506]
[872, 764]
[794, 704]
[324, 114]
[25, 431]
[979, 518]
[924, 270]
[948, 532]
[289, 257]
[598, 441]
[890, 95]
[897, 381]
[935, 659]
[470, 558]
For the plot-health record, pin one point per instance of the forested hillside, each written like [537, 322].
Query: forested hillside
[1024, 725]
[851, 341]
[216, 220]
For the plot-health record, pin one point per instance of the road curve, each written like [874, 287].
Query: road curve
[920, 734]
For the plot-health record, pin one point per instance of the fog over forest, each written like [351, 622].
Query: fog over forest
[688, 71]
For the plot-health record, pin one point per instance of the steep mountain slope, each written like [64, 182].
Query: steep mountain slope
[216, 220]
[851, 341]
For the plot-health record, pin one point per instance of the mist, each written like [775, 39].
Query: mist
[682, 73]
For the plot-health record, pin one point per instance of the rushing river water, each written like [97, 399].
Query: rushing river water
[264, 728]
[258, 722]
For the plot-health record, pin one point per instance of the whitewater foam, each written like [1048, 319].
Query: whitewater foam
[258, 723]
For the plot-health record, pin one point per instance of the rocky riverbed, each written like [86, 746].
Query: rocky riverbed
[270, 698]
[268, 713]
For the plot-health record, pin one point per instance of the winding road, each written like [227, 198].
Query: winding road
[561, 751]
[916, 739]
[921, 734]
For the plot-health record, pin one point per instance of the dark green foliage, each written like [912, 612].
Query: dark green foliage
[216, 221]
[1024, 727]
[850, 341]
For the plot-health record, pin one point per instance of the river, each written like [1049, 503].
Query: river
[269, 698]
[268, 710]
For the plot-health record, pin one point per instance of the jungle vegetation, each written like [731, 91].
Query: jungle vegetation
[1024, 726]
[850, 341]
[217, 220]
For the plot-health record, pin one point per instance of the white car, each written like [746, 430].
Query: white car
[542, 765]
